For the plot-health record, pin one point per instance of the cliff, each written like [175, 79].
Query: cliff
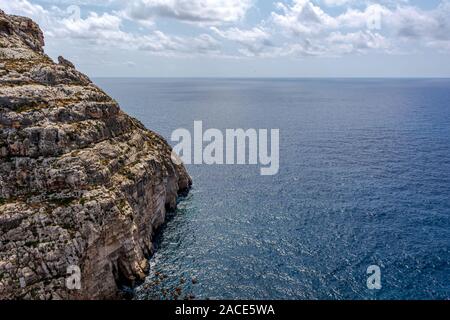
[81, 183]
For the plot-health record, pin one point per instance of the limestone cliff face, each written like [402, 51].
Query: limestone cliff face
[81, 183]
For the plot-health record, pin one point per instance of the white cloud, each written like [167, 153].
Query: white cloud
[362, 19]
[106, 30]
[302, 17]
[95, 26]
[255, 41]
[336, 2]
[210, 12]
[158, 42]
[416, 24]
[354, 29]
[360, 42]
[25, 8]
[295, 28]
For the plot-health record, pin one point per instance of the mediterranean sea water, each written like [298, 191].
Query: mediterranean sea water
[364, 180]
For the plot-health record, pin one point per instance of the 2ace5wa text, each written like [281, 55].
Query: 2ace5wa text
[241, 309]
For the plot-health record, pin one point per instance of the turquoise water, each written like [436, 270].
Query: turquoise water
[364, 179]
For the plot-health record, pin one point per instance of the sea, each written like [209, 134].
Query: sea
[364, 180]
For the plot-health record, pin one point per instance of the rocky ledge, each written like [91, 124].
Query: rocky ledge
[82, 184]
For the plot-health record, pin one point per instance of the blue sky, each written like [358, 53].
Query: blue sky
[246, 38]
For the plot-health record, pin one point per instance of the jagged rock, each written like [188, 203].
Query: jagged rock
[64, 62]
[81, 183]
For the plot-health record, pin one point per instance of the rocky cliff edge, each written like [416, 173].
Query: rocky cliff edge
[82, 184]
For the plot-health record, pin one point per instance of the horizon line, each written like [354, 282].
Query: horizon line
[274, 78]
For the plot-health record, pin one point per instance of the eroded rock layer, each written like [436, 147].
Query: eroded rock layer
[82, 184]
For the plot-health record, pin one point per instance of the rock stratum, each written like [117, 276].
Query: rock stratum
[82, 184]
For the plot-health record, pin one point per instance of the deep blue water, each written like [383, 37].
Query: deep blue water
[364, 179]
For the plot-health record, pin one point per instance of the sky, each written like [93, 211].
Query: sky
[246, 38]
